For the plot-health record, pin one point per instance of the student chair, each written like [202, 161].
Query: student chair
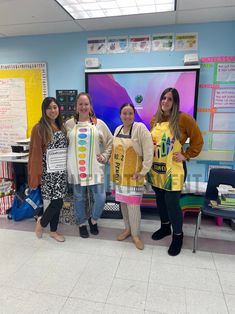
[217, 176]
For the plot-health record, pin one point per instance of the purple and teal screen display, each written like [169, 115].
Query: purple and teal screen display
[110, 90]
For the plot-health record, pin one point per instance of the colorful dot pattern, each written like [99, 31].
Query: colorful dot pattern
[82, 151]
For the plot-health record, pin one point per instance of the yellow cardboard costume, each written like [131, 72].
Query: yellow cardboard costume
[125, 161]
[165, 173]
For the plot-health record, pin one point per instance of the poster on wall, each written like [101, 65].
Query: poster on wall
[162, 42]
[223, 141]
[12, 110]
[96, 45]
[220, 112]
[139, 43]
[22, 89]
[224, 97]
[225, 72]
[186, 41]
[66, 98]
[117, 44]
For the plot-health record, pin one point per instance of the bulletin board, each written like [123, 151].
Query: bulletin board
[34, 76]
[216, 107]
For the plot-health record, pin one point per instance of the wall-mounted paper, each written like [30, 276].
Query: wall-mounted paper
[12, 110]
[223, 121]
[223, 141]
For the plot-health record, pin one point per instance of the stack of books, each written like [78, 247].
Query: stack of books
[228, 198]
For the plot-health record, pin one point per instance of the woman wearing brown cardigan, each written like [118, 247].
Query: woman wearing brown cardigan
[47, 165]
[170, 129]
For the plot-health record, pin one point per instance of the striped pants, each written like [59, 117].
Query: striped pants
[131, 216]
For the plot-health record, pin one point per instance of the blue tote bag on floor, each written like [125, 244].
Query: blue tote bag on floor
[26, 205]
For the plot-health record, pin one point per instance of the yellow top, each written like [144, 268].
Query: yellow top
[189, 129]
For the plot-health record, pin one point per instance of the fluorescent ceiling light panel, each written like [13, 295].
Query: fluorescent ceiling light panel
[126, 3]
[113, 12]
[129, 11]
[147, 9]
[108, 5]
[145, 2]
[85, 9]
[165, 7]
[90, 6]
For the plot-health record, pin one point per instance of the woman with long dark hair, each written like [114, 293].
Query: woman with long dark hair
[47, 165]
[170, 128]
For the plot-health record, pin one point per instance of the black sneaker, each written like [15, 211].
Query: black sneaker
[83, 231]
[93, 228]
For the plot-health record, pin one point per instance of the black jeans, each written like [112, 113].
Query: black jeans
[52, 214]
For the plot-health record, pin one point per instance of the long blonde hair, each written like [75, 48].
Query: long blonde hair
[45, 129]
[174, 116]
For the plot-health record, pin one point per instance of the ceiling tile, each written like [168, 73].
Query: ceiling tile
[34, 17]
[31, 11]
[142, 20]
[40, 28]
[206, 15]
[192, 4]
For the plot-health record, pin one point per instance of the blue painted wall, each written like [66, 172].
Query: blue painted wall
[65, 55]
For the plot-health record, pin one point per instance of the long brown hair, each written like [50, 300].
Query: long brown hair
[45, 128]
[91, 113]
[174, 116]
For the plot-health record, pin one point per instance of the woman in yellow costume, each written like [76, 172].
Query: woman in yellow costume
[131, 159]
[170, 129]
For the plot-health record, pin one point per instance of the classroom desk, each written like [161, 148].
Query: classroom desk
[14, 157]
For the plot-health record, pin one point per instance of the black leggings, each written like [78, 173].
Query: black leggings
[169, 208]
[168, 204]
[52, 214]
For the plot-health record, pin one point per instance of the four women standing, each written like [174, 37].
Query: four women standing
[90, 146]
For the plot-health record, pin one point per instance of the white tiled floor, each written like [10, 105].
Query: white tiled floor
[106, 276]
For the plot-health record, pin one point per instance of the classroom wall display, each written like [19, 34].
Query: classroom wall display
[12, 110]
[112, 88]
[217, 84]
[97, 45]
[66, 98]
[22, 89]
[162, 42]
[186, 41]
[143, 43]
[117, 44]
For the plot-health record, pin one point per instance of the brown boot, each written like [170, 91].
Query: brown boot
[138, 242]
[125, 234]
[58, 237]
[38, 228]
